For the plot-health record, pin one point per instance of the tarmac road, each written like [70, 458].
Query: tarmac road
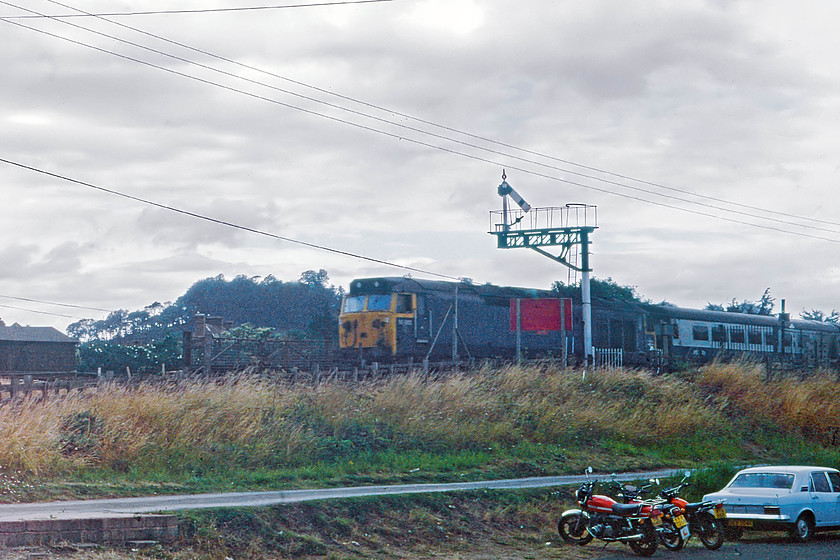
[122, 507]
[825, 546]
[764, 546]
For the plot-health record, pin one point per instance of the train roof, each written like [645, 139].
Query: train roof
[386, 285]
[739, 318]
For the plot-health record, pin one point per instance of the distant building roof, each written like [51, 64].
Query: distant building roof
[18, 333]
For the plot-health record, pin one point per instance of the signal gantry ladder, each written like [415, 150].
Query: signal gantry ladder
[566, 227]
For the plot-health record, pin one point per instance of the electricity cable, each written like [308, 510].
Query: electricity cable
[39, 312]
[225, 222]
[413, 141]
[56, 303]
[202, 10]
[614, 183]
[461, 132]
[422, 143]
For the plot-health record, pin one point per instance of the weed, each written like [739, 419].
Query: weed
[248, 433]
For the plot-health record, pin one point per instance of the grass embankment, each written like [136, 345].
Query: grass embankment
[250, 433]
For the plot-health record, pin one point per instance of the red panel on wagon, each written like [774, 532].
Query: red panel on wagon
[542, 314]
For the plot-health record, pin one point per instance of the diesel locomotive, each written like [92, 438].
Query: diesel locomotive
[397, 319]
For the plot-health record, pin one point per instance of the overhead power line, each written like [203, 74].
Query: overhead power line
[705, 206]
[56, 303]
[225, 222]
[39, 312]
[198, 11]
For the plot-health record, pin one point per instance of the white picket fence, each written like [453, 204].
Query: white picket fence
[610, 358]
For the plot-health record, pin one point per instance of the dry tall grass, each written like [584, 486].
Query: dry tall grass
[249, 423]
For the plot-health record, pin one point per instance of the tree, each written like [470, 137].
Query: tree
[817, 315]
[608, 288]
[138, 358]
[764, 305]
[313, 279]
[308, 307]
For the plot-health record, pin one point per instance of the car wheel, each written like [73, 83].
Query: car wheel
[803, 529]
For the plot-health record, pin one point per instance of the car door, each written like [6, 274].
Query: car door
[824, 499]
[834, 479]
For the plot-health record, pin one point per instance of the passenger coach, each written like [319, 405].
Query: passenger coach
[700, 335]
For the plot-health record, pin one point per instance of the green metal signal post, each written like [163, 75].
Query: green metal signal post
[565, 227]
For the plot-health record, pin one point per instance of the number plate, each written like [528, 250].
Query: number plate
[656, 520]
[679, 521]
[684, 532]
[720, 512]
[740, 522]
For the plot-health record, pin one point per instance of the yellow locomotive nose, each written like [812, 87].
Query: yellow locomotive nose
[366, 322]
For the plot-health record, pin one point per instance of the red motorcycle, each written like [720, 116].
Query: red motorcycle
[673, 531]
[701, 519]
[603, 518]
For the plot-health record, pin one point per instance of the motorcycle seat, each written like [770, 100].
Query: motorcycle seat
[626, 509]
[696, 506]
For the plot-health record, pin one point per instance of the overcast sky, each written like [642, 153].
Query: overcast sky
[705, 132]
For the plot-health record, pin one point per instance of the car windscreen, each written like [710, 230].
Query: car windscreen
[782, 481]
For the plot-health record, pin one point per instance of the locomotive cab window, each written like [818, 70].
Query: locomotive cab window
[354, 304]
[404, 303]
[379, 303]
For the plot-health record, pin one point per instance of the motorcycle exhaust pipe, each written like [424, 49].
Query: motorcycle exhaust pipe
[637, 537]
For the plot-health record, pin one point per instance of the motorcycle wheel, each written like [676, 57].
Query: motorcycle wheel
[669, 535]
[647, 545]
[712, 531]
[572, 528]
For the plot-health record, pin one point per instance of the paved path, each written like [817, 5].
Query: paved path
[124, 507]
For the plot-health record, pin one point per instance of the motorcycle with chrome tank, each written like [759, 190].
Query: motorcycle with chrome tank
[601, 517]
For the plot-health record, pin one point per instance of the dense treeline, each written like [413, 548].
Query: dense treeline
[146, 339]
[306, 307]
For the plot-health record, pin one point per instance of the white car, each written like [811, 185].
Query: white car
[797, 499]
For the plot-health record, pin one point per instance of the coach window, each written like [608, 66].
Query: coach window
[404, 303]
[736, 335]
[700, 332]
[770, 338]
[719, 333]
[754, 336]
